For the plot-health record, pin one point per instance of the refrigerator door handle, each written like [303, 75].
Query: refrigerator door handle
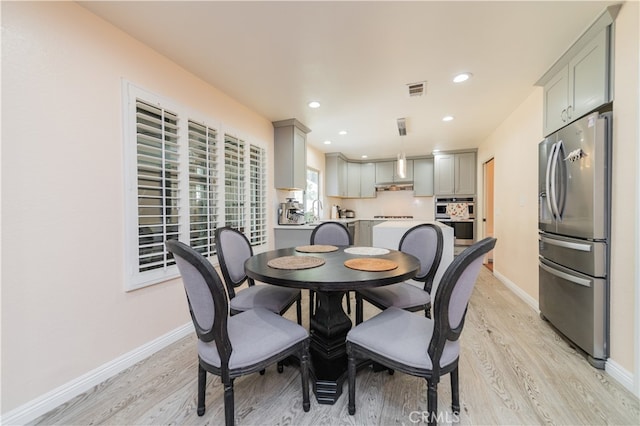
[548, 183]
[566, 244]
[565, 276]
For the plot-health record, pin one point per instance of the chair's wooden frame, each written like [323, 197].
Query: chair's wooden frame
[441, 333]
[217, 332]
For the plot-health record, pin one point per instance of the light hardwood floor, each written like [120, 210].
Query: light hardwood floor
[514, 369]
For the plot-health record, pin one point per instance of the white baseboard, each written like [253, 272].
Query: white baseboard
[518, 291]
[47, 402]
[622, 376]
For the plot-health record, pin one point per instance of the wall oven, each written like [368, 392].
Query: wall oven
[459, 213]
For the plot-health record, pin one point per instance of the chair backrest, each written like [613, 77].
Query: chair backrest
[233, 249]
[453, 294]
[331, 233]
[424, 241]
[206, 297]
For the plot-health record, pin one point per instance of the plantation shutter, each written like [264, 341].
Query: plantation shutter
[158, 192]
[203, 193]
[234, 183]
[258, 195]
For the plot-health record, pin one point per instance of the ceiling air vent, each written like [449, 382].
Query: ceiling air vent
[417, 89]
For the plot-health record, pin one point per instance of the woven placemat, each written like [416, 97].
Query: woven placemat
[316, 248]
[370, 264]
[295, 262]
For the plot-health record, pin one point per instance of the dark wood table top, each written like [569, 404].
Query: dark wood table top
[332, 275]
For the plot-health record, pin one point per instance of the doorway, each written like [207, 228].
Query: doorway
[487, 214]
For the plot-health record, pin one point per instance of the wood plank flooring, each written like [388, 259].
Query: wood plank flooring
[514, 369]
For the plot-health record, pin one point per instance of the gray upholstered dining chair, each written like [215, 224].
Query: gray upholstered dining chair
[233, 346]
[233, 249]
[417, 345]
[424, 241]
[330, 233]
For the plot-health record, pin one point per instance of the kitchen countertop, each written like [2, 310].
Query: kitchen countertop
[350, 220]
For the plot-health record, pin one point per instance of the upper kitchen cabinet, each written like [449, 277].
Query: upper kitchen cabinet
[367, 180]
[348, 179]
[581, 80]
[454, 174]
[423, 177]
[386, 172]
[336, 177]
[290, 154]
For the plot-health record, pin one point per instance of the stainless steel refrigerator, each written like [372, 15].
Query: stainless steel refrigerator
[574, 228]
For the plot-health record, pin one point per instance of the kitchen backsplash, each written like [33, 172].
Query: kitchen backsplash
[387, 203]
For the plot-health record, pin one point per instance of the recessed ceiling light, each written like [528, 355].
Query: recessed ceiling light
[342, 132]
[364, 156]
[447, 118]
[435, 150]
[314, 104]
[327, 142]
[462, 77]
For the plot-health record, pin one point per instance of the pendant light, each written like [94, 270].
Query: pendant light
[401, 163]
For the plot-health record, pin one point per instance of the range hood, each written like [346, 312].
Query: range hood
[380, 187]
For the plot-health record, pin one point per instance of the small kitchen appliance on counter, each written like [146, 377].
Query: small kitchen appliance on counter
[291, 213]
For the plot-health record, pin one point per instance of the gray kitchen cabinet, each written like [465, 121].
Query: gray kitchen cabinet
[579, 87]
[353, 179]
[348, 179]
[367, 180]
[423, 177]
[364, 233]
[290, 154]
[386, 172]
[292, 237]
[336, 175]
[454, 174]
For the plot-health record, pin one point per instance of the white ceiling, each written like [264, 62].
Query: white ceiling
[357, 57]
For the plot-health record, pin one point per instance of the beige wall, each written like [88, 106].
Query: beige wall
[514, 146]
[64, 310]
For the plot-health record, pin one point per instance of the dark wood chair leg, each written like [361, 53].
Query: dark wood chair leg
[455, 393]
[304, 370]
[346, 295]
[359, 307]
[299, 310]
[202, 385]
[351, 365]
[229, 409]
[432, 401]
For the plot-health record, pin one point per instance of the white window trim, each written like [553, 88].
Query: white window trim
[133, 279]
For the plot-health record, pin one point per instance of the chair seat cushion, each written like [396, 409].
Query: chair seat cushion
[402, 336]
[255, 336]
[402, 295]
[270, 297]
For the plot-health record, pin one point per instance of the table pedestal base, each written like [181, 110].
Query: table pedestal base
[329, 328]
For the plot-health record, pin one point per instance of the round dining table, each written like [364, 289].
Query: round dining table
[328, 274]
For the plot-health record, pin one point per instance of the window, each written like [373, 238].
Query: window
[157, 184]
[203, 200]
[258, 194]
[234, 183]
[312, 194]
[179, 175]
